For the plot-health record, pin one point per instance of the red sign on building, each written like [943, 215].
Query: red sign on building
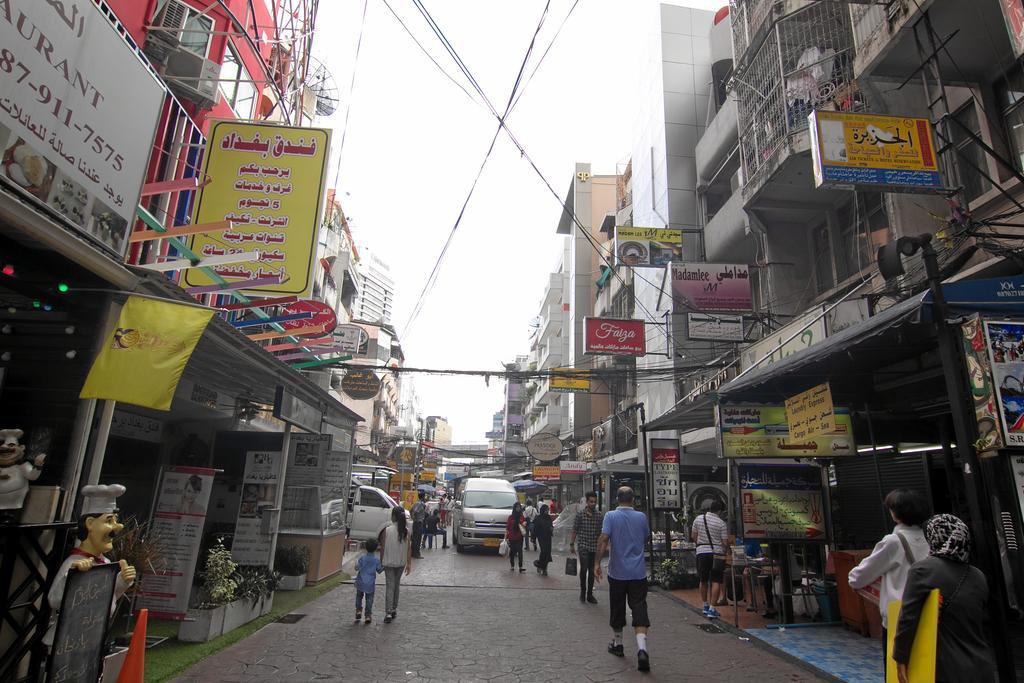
[610, 336]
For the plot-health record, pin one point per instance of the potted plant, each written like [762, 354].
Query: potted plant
[669, 574]
[254, 596]
[292, 563]
[206, 621]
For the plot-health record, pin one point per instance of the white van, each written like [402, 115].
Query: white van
[481, 510]
[370, 512]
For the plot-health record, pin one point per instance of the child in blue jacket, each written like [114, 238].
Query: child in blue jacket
[367, 568]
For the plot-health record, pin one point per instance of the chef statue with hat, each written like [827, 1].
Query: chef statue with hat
[15, 474]
[97, 527]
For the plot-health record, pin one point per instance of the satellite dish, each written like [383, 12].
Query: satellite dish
[321, 82]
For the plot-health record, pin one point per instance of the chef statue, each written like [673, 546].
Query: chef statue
[15, 474]
[97, 527]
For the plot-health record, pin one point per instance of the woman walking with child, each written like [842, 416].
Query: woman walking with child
[396, 556]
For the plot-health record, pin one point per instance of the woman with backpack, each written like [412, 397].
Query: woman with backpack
[890, 561]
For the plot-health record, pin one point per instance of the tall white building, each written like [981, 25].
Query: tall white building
[376, 301]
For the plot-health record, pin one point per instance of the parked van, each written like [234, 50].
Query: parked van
[370, 512]
[481, 510]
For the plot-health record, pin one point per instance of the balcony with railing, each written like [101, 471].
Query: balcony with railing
[752, 19]
[804, 63]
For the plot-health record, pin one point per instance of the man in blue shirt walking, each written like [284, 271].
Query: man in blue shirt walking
[627, 531]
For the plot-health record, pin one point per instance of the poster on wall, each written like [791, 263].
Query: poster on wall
[1006, 354]
[259, 494]
[268, 180]
[307, 459]
[761, 431]
[710, 287]
[665, 474]
[979, 377]
[781, 502]
[178, 520]
[78, 111]
[647, 246]
[1013, 15]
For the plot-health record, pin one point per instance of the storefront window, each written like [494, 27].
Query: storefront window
[236, 84]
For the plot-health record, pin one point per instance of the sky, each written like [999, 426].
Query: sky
[414, 142]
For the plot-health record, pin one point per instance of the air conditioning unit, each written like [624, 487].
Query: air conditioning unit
[192, 77]
[165, 36]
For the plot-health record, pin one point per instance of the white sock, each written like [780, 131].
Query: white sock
[641, 641]
[617, 638]
[706, 605]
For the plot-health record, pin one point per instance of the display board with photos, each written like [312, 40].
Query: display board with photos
[647, 246]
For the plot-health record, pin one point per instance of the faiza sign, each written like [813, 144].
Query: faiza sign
[611, 336]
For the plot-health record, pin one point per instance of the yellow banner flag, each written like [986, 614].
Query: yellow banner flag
[144, 355]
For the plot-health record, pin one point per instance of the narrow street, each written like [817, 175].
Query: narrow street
[468, 618]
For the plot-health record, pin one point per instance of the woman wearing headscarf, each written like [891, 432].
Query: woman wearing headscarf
[515, 532]
[543, 530]
[963, 652]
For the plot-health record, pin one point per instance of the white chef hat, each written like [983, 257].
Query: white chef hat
[10, 436]
[100, 499]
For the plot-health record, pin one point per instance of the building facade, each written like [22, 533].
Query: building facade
[377, 298]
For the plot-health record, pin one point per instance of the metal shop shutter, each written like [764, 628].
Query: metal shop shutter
[858, 506]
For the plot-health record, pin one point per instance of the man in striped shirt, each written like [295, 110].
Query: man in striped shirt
[711, 534]
[585, 530]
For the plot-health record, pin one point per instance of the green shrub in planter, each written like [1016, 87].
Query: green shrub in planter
[254, 583]
[292, 561]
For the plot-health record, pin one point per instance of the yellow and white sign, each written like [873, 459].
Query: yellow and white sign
[648, 246]
[569, 380]
[428, 475]
[811, 413]
[269, 182]
[850, 150]
[544, 473]
[760, 431]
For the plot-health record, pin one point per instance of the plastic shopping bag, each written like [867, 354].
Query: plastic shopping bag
[570, 566]
[503, 548]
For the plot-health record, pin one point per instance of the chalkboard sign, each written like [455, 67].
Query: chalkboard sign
[77, 652]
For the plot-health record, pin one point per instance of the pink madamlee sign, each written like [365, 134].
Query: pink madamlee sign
[611, 336]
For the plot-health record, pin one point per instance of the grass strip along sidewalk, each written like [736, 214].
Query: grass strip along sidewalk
[171, 658]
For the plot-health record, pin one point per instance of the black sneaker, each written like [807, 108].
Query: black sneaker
[591, 599]
[583, 598]
[522, 569]
[643, 661]
[359, 617]
[616, 649]
[387, 618]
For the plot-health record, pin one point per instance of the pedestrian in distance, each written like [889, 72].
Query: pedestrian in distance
[432, 527]
[396, 556]
[586, 529]
[530, 512]
[449, 507]
[893, 556]
[419, 515]
[443, 509]
[963, 650]
[543, 530]
[711, 535]
[515, 534]
[367, 568]
[627, 531]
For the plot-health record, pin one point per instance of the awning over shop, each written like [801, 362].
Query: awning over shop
[686, 416]
[894, 334]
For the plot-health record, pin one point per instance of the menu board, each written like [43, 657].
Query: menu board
[781, 502]
[259, 492]
[80, 637]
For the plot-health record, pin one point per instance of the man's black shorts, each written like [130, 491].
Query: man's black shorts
[633, 592]
[710, 568]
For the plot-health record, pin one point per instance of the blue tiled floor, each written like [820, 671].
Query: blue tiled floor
[842, 653]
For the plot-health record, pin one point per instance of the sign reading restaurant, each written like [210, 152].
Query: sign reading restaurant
[612, 336]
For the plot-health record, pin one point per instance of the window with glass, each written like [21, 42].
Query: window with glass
[970, 157]
[236, 85]
[823, 274]
[857, 220]
[191, 27]
[1010, 94]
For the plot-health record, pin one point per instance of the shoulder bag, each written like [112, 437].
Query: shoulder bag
[873, 591]
[718, 560]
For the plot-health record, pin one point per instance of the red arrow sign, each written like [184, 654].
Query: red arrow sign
[813, 532]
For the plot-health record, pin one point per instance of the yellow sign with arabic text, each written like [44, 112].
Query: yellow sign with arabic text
[760, 431]
[811, 413]
[268, 181]
[852, 149]
[569, 380]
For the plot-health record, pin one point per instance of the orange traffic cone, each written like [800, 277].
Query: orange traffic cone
[134, 667]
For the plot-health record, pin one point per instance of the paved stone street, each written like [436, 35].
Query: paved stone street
[467, 618]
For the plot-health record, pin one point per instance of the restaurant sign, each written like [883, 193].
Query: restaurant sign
[781, 502]
[647, 246]
[710, 287]
[614, 337]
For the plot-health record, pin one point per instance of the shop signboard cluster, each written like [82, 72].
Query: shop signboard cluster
[699, 287]
[870, 150]
[665, 474]
[647, 246]
[781, 502]
[714, 327]
[614, 337]
[78, 111]
[251, 545]
[178, 520]
[761, 431]
[979, 377]
[569, 381]
[1005, 341]
[572, 467]
[268, 181]
[544, 447]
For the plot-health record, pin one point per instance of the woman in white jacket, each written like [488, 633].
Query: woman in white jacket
[893, 555]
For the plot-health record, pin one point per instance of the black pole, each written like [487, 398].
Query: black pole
[965, 431]
[642, 449]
